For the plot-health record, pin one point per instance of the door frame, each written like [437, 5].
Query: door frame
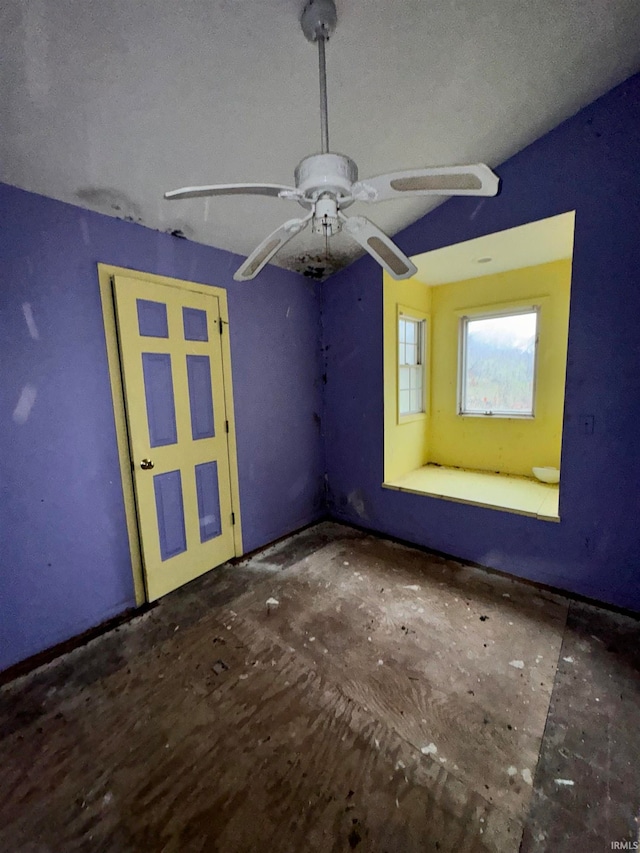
[106, 272]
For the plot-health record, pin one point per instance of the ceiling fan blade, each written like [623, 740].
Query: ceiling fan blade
[269, 247]
[476, 179]
[379, 246]
[275, 190]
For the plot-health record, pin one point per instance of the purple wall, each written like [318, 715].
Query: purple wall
[64, 561]
[590, 163]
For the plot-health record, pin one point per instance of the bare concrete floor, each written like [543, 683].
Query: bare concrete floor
[390, 701]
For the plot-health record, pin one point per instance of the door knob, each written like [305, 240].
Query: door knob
[146, 464]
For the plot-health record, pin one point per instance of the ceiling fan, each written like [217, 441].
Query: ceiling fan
[327, 183]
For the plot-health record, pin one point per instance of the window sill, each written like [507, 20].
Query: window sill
[414, 416]
[494, 416]
[505, 492]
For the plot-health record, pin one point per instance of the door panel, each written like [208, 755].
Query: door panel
[158, 393]
[208, 500]
[171, 359]
[200, 399]
[170, 513]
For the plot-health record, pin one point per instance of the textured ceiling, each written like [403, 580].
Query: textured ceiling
[108, 104]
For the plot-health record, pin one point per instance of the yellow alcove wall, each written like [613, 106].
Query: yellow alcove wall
[441, 436]
[507, 445]
[406, 439]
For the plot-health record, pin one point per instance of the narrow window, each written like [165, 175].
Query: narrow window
[411, 341]
[498, 364]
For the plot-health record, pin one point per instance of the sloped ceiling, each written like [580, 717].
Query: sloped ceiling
[108, 104]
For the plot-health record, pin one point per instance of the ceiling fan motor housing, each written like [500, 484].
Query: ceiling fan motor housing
[326, 173]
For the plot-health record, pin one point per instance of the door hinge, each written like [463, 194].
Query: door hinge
[226, 426]
[233, 518]
[220, 324]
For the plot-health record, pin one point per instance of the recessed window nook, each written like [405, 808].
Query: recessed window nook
[492, 317]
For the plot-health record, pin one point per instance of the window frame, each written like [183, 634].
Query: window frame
[490, 314]
[422, 320]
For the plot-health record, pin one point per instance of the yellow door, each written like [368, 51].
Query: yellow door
[171, 357]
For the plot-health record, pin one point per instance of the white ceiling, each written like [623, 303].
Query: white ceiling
[107, 104]
[527, 245]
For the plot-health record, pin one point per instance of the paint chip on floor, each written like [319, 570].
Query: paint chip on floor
[430, 749]
[526, 775]
[566, 782]
[517, 664]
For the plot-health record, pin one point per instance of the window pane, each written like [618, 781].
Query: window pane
[410, 367]
[500, 360]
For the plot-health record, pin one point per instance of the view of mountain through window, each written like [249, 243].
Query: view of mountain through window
[499, 364]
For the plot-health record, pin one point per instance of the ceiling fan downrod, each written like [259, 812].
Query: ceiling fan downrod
[319, 19]
[324, 110]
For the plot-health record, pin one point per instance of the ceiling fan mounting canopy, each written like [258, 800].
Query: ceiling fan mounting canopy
[319, 19]
[327, 183]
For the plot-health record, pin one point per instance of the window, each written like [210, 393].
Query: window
[411, 357]
[498, 363]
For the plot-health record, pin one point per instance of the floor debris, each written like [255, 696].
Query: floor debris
[335, 719]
